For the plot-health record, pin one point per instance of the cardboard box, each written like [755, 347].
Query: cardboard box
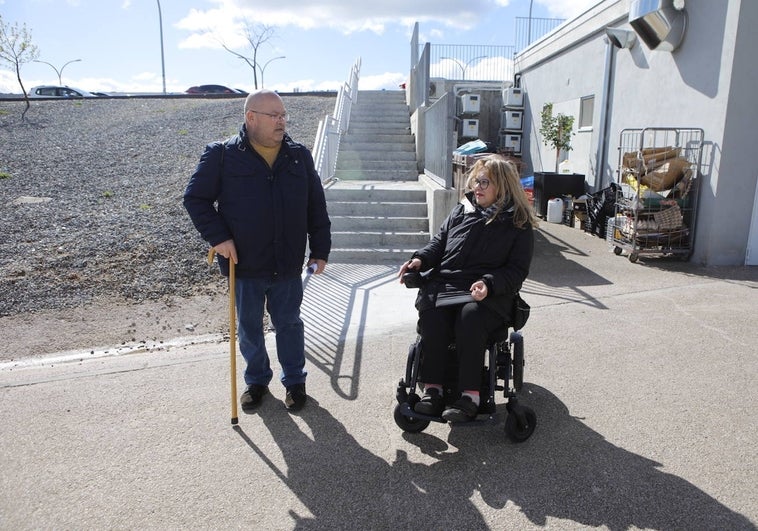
[580, 206]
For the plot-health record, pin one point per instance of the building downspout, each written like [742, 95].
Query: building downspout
[601, 157]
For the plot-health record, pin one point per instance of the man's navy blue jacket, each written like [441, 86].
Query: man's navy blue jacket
[270, 213]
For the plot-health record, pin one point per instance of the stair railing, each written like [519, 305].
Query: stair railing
[331, 128]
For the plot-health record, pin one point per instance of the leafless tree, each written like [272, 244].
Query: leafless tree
[256, 35]
[16, 48]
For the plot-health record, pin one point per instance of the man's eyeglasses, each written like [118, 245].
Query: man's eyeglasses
[481, 183]
[273, 115]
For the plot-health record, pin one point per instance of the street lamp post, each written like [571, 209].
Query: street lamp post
[263, 69]
[464, 66]
[59, 72]
[163, 62]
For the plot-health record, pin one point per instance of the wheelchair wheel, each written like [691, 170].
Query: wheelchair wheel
[409, 424]
[520, 431]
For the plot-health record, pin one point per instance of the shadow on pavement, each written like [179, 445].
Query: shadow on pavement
[565, 471]
[553, 274]
[341, 482]
[335, 308]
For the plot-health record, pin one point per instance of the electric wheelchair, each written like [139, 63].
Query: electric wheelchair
[503, 371]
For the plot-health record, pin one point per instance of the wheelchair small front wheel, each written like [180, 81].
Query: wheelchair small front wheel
[408, 424]
[520, 423]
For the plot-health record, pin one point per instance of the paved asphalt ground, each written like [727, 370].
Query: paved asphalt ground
[643, 377]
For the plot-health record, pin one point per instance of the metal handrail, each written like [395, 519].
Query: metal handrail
[331, 128]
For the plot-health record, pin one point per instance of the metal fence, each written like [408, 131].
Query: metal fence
[438, 142]
[471, 62]
[529, 30]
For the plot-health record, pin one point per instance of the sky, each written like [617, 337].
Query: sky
[115, 45]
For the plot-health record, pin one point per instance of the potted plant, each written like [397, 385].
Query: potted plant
[556, 131]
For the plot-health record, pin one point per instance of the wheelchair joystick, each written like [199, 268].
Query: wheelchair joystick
[412, 279]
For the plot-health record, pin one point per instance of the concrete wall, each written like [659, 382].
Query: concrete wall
[708, 82]
[733, 160]
[440, 201]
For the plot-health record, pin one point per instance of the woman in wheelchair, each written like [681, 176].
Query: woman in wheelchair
[472, 269]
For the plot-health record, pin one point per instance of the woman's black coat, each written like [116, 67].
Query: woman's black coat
[467, 249]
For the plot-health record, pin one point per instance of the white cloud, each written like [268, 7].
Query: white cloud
[9, 83]
[228, 17]
[226, 20]
[388, 80]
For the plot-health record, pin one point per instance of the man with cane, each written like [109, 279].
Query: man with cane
[258, 201]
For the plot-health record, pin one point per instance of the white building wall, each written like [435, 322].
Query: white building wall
[708, 82]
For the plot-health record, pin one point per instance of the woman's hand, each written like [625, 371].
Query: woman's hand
[479, 290]
[413, 264]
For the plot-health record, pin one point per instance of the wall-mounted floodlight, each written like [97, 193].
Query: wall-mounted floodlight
[621, 38]
[659, 23]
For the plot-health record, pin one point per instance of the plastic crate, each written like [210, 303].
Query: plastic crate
[470, 127]
[470, 103]
[510, 119]
[513, 97]
[510, 142]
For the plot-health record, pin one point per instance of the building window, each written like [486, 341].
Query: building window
[586, 112]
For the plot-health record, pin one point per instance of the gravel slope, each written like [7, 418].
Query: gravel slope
[108, 176]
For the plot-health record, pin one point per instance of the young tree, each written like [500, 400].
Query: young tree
[256, 35]
[556, 131]
[16, 48]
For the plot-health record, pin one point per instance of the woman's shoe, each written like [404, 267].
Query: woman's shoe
[431, 403]
[463, 410]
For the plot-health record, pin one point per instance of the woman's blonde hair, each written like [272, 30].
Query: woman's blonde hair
[504, 176]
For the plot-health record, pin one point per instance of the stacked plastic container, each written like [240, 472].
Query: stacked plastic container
[469, 116]
[511, 121]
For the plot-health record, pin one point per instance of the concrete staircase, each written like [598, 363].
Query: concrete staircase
[376, 203]
[378, 145]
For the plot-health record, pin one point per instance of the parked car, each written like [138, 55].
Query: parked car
[55, 91]
[210, 89]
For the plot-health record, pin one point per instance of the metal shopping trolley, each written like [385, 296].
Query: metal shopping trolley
[656, 208]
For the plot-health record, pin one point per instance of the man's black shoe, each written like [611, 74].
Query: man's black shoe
[252, 397]
[463, 410]
[431, 403]
[296, 397]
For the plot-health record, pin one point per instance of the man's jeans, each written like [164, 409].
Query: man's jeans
[282, 299]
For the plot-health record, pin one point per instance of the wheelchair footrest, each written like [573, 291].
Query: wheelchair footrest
[407, 411]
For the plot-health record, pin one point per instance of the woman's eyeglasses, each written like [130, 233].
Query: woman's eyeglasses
[481, 183]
